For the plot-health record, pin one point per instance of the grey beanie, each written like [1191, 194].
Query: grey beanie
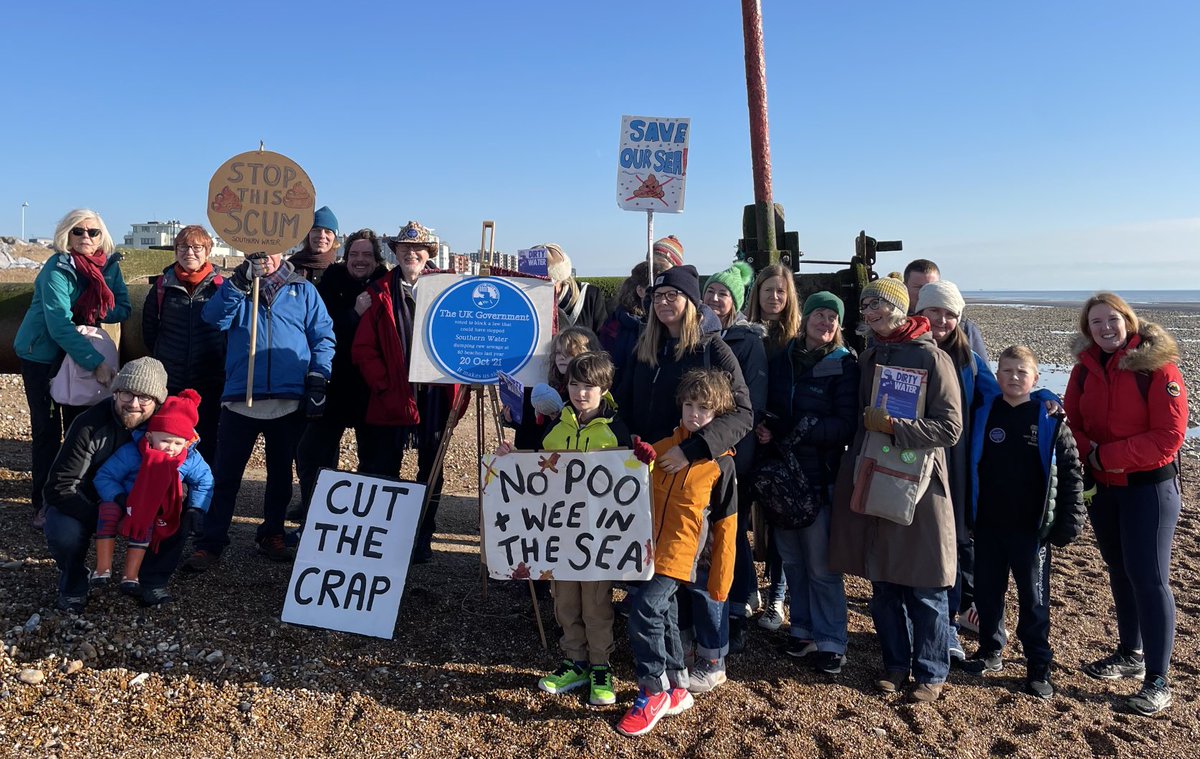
[143, 376]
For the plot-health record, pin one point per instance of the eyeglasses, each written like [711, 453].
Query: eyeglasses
[127, 397]
[80, 232]
[670, 296]
[872, 305]
[191, 248]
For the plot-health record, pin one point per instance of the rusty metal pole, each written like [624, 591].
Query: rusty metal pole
[760, 139]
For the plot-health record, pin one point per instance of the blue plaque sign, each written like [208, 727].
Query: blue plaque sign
[479, 326]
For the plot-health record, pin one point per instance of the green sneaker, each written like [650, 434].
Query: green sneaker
[568, 676]
[602, 687]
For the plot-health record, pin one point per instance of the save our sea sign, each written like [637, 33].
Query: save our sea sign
[353, 559]
[470, 328]
[652, 163]
[567, 516]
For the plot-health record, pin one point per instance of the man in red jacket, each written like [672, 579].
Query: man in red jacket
[400, 414]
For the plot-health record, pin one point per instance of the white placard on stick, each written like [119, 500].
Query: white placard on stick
[353, 559]
[468, 328]
[652, 163]
[567, 516]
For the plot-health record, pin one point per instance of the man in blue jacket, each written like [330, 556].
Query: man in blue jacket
[294, 355]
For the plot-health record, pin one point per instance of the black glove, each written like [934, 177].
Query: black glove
[314, 395]
[254, 266]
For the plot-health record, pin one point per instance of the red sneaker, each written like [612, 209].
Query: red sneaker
[681, 701]
[647, 710]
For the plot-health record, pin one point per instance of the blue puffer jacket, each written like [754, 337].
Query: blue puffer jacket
[295, 337]
[824, 400]
[978, 385]
[48, 328]
[1062, 507]
[117, 475]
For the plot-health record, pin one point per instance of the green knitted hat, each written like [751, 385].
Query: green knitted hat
[824, 299]
[736, 279]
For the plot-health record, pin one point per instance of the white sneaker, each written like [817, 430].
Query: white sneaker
[772, 617]
[754, 604]
[969, 620]
[708, 674]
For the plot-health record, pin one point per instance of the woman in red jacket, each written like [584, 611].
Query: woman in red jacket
[1127, 406]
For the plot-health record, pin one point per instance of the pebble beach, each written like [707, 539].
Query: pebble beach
[217, 673]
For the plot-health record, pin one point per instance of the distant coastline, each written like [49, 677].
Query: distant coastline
[1172, 300]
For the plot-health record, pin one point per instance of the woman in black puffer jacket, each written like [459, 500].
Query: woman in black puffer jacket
[191, 349]
[812, 402]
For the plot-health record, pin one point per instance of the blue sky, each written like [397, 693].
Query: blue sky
[1018, 144]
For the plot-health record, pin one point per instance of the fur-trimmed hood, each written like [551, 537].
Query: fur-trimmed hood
[1155, 349]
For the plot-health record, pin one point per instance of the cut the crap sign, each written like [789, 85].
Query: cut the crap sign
[473, 327]
[353, 559]
[261, 202]
[567, 516]
[652, 163]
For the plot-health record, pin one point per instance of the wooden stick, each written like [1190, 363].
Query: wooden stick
[537, 613]
[253, 343]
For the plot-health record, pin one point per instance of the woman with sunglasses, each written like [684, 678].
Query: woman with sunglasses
[911, 567]
[81, 284]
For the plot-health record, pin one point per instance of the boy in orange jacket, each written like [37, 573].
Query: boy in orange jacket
[695, 522]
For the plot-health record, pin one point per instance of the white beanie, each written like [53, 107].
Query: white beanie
[941, 294]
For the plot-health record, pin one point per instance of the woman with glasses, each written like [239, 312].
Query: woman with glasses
[671, 344]
[910, 566]
[192, 350]
[81, 284]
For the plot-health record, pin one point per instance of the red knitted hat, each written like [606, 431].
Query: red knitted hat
[178, 415]
[670, 247]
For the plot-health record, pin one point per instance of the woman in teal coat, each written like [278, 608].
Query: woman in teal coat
[81, 284]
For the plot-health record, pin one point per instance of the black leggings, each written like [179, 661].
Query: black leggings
[1135, 526]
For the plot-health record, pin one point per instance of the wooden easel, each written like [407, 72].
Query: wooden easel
[456, 414]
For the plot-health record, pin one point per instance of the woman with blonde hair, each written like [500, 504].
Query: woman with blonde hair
[1127, 405]
[773, 302]
[671, 344]
[578, 304]
[80, 285]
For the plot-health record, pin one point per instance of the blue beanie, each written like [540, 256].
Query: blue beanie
[325, 219]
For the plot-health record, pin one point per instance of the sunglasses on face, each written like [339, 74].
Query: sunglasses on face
[80, 232]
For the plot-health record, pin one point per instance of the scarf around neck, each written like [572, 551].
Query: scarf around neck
[910, 330]
[96, 300]
[157, 494]
[309, 259]
[193, 279]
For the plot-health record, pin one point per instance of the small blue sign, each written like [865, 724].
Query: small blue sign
[481, 326]
[512, 395]
[532, 261]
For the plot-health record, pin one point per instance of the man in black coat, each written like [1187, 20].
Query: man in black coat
[343, 288]
[71, 499]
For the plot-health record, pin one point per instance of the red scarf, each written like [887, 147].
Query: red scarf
[192, 279]
[96, 300]
[910, 330]
[157, 496]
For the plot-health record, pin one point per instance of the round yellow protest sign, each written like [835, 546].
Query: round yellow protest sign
[261, 202]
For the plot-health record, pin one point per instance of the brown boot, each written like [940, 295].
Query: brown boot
[892, 681]
[927, 693]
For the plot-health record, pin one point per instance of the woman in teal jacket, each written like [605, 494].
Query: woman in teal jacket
[81, 284]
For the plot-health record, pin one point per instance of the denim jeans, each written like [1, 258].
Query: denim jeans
[912, 629]
[654, 635]
[69, 540]
[702, 619]
[236, 437]
[818, 608]
[777, 583]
